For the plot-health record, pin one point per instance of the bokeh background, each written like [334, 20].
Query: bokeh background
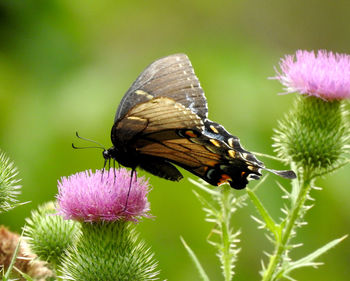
[65, 65]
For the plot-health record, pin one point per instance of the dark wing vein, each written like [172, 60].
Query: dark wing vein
[180, 151]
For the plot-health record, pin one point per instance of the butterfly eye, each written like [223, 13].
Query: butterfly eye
[106, 154]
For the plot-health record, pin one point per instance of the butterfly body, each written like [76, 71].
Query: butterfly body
[162, 121]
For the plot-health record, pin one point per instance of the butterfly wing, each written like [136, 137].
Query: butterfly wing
[160, 117]
[211, 159]
[163, 131]
[172, 76]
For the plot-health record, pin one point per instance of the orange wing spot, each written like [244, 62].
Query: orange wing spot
[215, 142]
[224, 179]
[201, 170]
[243, 173]
[210, 163]
[191, 134]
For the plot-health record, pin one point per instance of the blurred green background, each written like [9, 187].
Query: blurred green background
[65, 65]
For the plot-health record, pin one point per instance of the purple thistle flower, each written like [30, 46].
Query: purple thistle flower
[325, 75]
[91, 197]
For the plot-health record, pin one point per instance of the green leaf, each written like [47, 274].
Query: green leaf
[309, 260]
[204, 188]
[270, 223]
[209, 208]
[267, 156]
[195, 260]
[25, 276]
[240, 199]
[13, 260]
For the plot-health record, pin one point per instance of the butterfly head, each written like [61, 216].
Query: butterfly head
[109, 153]
[122, 156]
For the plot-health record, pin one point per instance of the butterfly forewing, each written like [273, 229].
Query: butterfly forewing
[172, 77]
[156, 115]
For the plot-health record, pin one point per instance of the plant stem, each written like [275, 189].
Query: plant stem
[303, 187]
[225, 211]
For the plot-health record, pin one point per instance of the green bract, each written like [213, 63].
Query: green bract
[108, 251]
[8, 184]
[50, 235]
[314, 135]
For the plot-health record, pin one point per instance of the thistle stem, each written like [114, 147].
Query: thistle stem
[302, 187]
[225, 211]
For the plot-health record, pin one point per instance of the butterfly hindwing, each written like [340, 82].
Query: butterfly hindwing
[211, 159]
[218, 132]
[160, 167]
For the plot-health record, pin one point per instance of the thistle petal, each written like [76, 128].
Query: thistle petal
[108, 196]
[324, 75]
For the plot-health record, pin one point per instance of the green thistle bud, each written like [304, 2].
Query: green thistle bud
[314, 135]
[49, 234]
[108, 251]
[8, 184]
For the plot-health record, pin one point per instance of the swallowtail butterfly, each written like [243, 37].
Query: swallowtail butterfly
[162, 121]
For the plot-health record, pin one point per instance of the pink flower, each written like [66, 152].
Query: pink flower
[91, 197]
[325, 75]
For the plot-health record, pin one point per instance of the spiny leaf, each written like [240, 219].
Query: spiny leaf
[207, 206]
[287, 194]
[195, 260]
[204, 188]
[25, 276]
[270, 223]
[240, 199]
[309, 260]
[13, 260]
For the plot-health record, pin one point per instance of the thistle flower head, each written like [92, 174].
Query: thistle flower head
[315, 134]
[108, 196]
[324, 75]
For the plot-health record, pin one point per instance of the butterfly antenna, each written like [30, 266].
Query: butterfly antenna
[83, 147]
[79, 137]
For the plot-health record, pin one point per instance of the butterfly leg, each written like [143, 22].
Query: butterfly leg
[114, 171]
[133, 172]
[103, 170]
[109, 166]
